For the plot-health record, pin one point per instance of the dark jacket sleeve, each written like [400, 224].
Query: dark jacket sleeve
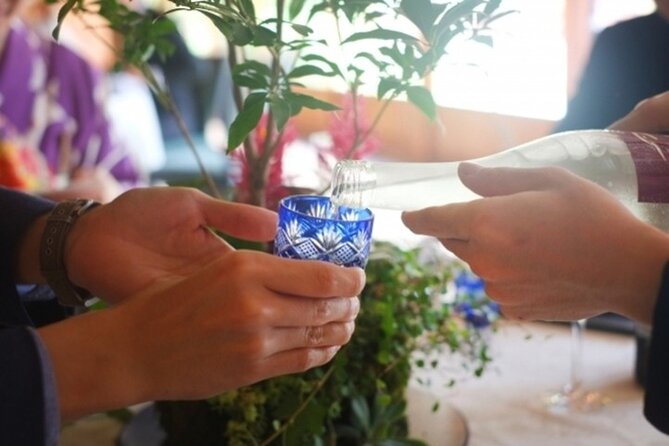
[28, 402]
[656, 407]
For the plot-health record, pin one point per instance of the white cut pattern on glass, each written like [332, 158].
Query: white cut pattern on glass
[293, 230]
[328, 238]
[349, 216]
[360, 240]
[319, 210]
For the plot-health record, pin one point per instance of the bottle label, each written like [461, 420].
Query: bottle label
[650, 154]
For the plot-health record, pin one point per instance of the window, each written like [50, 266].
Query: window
[607, 12]
[524, 74]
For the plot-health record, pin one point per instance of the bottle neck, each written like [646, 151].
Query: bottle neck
[349, 179]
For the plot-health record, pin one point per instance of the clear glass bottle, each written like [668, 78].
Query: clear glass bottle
[633, 166]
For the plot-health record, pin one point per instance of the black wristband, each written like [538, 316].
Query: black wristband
[52, 247]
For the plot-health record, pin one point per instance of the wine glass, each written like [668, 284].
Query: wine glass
[573, 397]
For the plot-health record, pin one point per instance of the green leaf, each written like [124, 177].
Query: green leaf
[394, 412]
[263, 36]
[457, 12]
[374, 59]
[386, 85]
[309, 422]
[491, 6]
[311, 102]
[241, 35]
[318, 7]
[221, 24]
[308, 70]
[361, 413]
[62, 13]
[317, 57]
[302, 29]
[295, 8]
[287, 405]
[281, 112]
[252, 74]
[422, 98]
[420, 13]
[383, 34]
[246, 120]
[485, 40]
[248, 9]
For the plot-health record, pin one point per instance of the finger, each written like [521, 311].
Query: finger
[299, 360]
[333, 334]
[309, 312]
[459, 248]
[311, 278]
[496, 181]
[649, 115]
[239, 220]
[452, 221]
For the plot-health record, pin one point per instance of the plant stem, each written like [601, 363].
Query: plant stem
[166, 99]
[301, 408]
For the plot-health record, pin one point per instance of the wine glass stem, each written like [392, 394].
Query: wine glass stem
[576, 372]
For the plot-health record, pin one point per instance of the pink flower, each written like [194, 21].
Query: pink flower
[344, 128]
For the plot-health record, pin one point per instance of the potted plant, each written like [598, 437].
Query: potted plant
[359, 398]
[389, 47]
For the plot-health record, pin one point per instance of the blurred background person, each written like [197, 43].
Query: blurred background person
[56, 138]
[628, 63]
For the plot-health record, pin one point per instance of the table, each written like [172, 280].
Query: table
[505, 407]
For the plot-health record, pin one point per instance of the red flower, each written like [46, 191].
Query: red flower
[274, 189]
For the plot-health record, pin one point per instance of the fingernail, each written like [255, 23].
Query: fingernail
[468, 169]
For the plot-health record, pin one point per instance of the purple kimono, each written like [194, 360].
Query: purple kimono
[51, 98]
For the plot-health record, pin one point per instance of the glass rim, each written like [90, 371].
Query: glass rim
[282, 204]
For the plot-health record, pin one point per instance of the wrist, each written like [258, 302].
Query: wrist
[53, 246]
[94, 362]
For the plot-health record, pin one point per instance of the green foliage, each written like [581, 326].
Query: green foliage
[407, 48]
[359, 398]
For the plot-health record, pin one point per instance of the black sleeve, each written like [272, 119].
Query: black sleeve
[29, 412]
[28, 401]
[17, 212]
[656, 407]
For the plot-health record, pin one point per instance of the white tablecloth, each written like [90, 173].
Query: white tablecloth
[505, 407]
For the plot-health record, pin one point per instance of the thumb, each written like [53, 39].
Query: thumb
[649, 115]
[496, 181]
[239, 220]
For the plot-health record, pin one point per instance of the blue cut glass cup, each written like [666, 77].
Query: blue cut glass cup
[311, 228]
